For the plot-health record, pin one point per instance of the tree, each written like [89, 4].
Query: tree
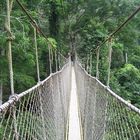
[129, 87]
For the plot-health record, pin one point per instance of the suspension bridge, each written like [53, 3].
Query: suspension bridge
[70, 104]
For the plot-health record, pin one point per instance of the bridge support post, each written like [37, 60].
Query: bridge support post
[36, 54]
[97, 62]
[38, 77]
[56, 63]
[50, 59]
[9, 41]
[109, 62]
[90, 70]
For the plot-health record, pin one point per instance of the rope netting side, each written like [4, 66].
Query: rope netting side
[54, 94]
[104, 115]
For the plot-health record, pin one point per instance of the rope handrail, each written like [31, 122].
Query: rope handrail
[130, 17]
[134, 108]
[109, 39]
[41, 111]
[104, 114]
[32, 20]
[38, 28]
[16, 97]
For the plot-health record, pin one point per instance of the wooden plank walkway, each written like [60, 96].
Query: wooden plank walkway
[74, 121]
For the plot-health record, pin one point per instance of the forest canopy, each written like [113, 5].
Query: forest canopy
[82, 24]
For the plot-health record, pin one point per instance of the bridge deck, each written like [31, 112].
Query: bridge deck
[74, 122]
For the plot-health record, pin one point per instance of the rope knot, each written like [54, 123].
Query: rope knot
[14, 97]
[11, 38]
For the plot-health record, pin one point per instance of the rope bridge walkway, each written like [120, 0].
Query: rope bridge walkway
[42, 112]
[74, 131]
[70, 104]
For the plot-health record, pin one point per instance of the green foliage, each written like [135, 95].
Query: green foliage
[99, 20]
[117, 55]
[24, 80]
[129, 79]
[125, 74]
[42, 43]
[135, 57]
[81, 24]
[53, 43]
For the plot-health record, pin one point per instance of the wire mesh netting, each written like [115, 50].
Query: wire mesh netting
[39, 113]
[104, 115]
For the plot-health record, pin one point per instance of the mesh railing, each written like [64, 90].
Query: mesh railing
[104, 115]
[39, 113]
